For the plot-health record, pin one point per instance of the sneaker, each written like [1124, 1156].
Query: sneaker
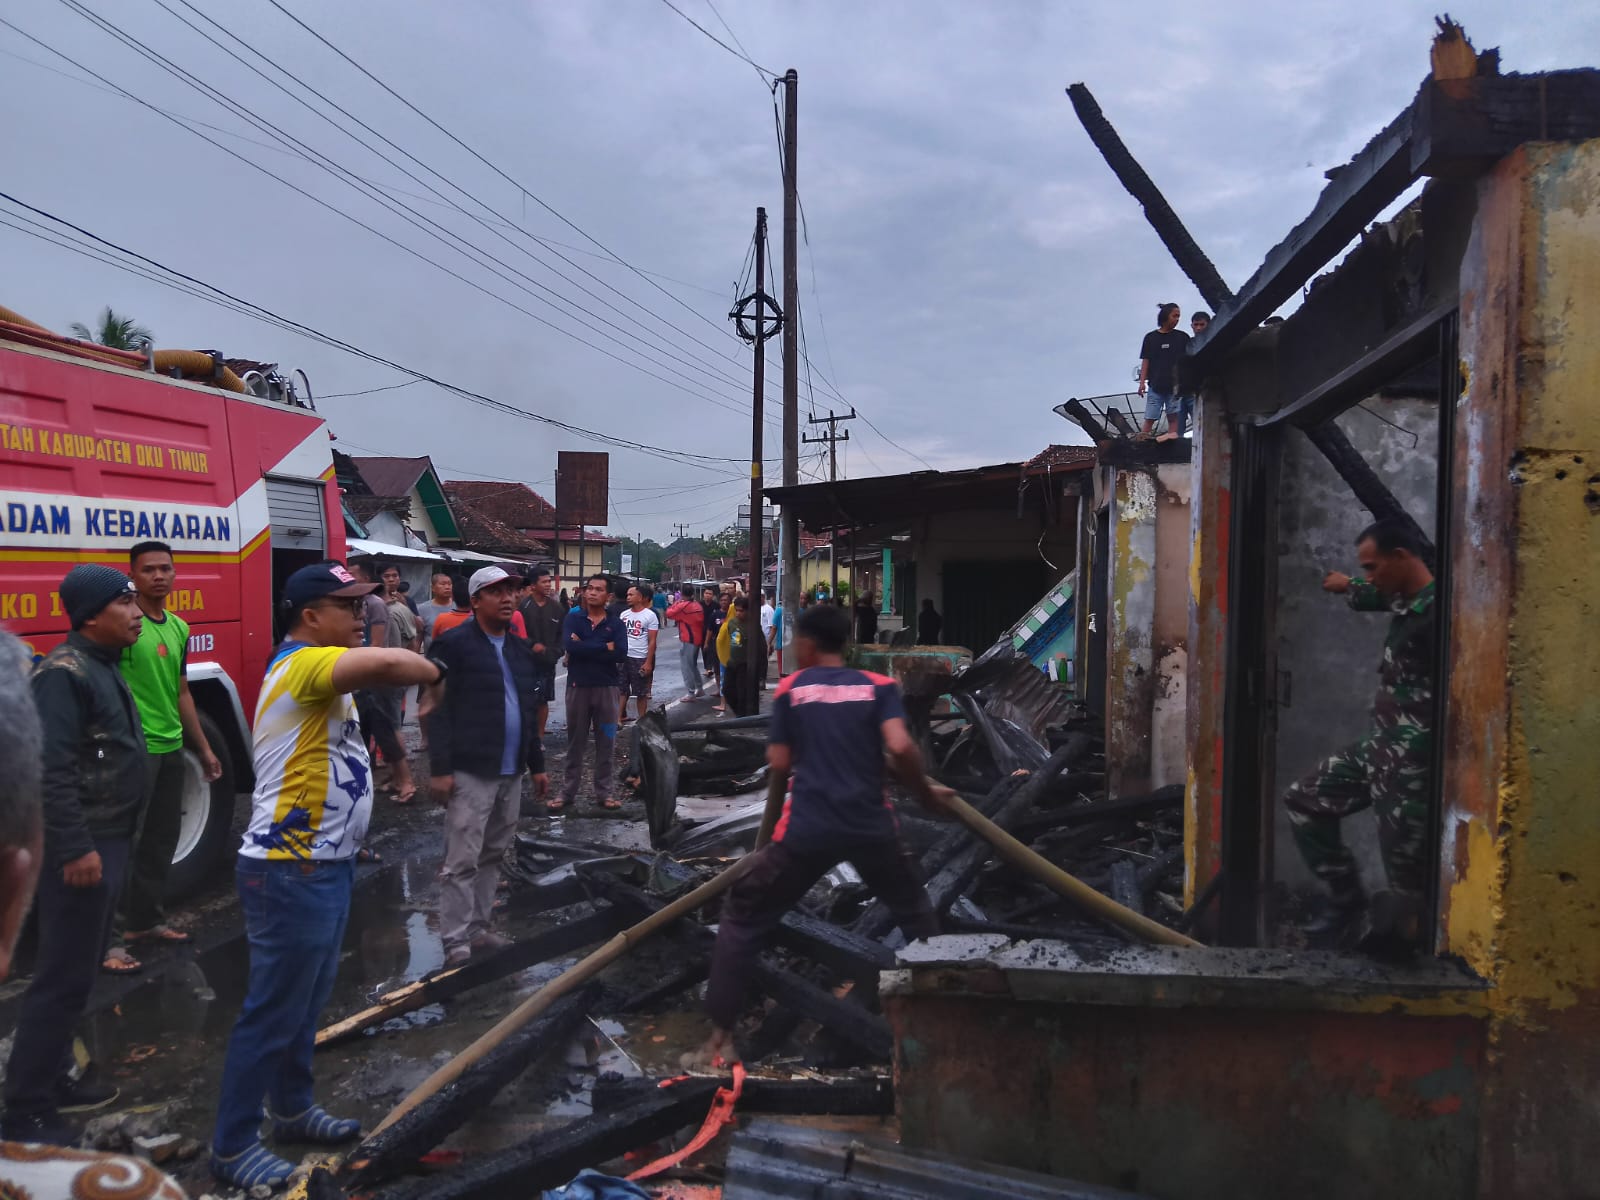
[85, 1094]
[252, 1167]
[316, 1125]
[45, 1129]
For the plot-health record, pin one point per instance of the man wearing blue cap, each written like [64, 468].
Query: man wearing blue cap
[94, 787]
[312, 803]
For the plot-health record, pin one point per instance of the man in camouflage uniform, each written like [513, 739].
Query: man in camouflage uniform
[1391, 767]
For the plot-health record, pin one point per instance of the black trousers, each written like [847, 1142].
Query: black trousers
[74, 930]
[154, 844]
[776, 883]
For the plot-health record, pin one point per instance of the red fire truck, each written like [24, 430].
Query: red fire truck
[97, 454]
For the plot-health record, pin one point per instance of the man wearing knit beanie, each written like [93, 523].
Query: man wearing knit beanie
[94, 786]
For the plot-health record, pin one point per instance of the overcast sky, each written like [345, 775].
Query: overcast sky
[975, 262]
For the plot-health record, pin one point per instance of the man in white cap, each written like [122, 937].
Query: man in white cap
[94, 787]
[483, 733]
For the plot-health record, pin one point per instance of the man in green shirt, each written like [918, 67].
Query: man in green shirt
[155, 668]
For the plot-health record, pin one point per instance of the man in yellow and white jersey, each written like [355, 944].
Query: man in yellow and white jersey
[312, 802]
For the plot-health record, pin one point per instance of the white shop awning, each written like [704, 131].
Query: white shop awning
[386, 550]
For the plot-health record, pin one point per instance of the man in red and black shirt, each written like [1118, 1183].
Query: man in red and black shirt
[831, 728]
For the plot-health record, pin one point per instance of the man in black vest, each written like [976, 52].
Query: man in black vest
[94, 784]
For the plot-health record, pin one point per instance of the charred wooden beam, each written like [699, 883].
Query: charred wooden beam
[865, 1030]
[1371, 491]
[1075, 412]
[1125, 889]
[1119, 422]
[1122, 809]
[1179, 242]
[563, 939]
[846, 1096]
[553, 1157]
[395, 1149]
[1154, 871]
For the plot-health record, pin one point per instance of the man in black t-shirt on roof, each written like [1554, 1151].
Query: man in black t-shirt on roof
[831, 727]
[1160, 356]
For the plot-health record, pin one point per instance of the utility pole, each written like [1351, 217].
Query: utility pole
[833, 437]
[761, 328]
[790, 538]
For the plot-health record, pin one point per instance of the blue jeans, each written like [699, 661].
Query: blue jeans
[294, 916]
[1156, 403]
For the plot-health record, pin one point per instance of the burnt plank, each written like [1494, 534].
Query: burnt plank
[1174, 236]
[553, 943]
[395, 1149]
[553, 1157]
[865, 1030]
[865, 1096]
[1125, 889]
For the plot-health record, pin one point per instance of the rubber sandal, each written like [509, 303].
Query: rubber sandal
[364, 855]
[555, 806]
[119, 962]
[157, 933]
[405, 797]
[611, 804]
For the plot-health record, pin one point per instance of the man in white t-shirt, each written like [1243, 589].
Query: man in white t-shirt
[766, 638]
[642, 625]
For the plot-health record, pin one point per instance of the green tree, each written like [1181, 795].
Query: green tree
[114, 330]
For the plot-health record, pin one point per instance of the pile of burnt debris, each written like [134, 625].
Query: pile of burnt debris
[999, 733]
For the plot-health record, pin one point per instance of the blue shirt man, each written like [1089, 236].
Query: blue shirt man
[595, 644]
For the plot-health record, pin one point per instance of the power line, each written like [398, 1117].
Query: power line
[416, 219]
[368, 391]
[684, 457]
[715, 371]
[739, 54]
[523, 189]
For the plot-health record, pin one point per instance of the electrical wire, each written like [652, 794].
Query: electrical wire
[417, 220]
[736, 53]
[684, 457]
[715, 370]
[522, 188]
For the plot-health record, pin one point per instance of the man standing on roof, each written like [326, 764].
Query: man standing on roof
[483, 733]
[595, 644]
[156, 668]
[831, 729]
[689, 616]
[1160, 356]
[95, 780]
[309, 814]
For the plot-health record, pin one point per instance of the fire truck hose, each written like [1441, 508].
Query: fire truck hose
[196, 365]
[574, 975]
[1063, 884]
[191, 364]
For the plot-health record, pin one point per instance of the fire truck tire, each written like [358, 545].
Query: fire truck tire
[207, 825]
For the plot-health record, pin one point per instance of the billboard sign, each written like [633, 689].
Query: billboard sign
[583, 487]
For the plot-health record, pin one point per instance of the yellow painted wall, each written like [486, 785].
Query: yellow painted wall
[1521, 862]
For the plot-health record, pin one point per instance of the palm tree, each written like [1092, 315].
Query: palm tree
[120, 333]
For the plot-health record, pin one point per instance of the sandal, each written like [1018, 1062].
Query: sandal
[405, 797]
[364, 855]
[611, 804]
[555, 806]
[157, 933]
[119, 962]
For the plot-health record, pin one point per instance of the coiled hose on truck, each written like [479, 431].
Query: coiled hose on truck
[196, 365]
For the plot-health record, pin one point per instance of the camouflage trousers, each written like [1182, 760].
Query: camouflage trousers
[1388, 770]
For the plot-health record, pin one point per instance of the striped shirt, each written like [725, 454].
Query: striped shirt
[313, 796]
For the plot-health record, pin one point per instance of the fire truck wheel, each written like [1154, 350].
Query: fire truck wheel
[207, 821]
